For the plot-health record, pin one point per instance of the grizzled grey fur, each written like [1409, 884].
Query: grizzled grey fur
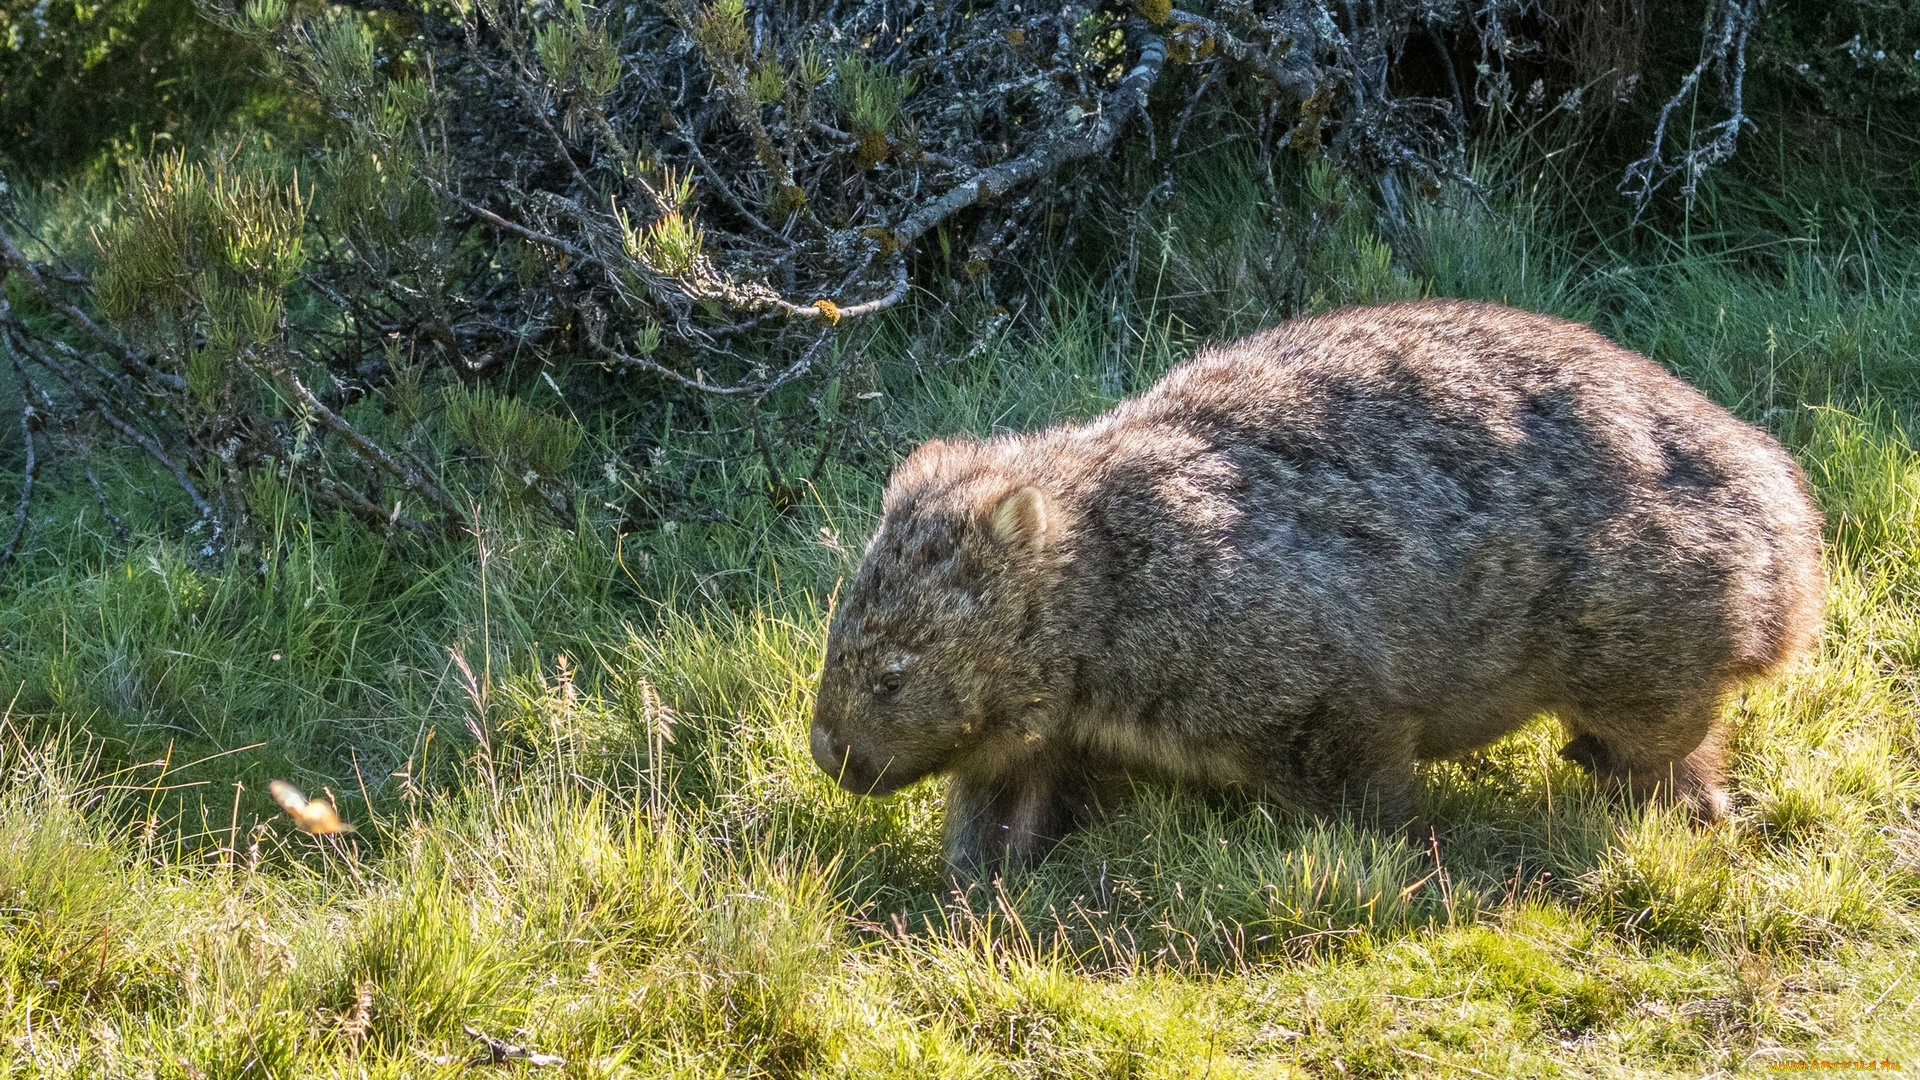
[1304, 561]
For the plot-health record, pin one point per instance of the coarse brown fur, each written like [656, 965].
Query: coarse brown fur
[1304, 561]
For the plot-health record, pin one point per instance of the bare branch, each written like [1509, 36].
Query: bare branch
[824, 309]
[1298, 83]
[513, 227]
[1733, 21]
[846, 141]
[1128, 97]
[757, 390]
[340, 496]
[641, 363]
[369, 451]
[90, 398]
[114, 520]
[718, 179]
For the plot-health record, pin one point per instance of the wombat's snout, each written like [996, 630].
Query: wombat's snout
[854, 768]
[828, 752]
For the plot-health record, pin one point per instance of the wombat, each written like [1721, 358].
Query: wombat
[1302, 562]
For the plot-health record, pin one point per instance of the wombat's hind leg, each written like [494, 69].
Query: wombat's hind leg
[1670, 755]
[1699, 776]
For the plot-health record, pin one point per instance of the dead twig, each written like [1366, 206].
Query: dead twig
[114, 520]
[415, 479]
[1725, 48]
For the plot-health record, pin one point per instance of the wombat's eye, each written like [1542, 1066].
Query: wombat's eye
[889, 683]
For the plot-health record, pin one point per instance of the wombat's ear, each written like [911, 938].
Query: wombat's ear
[1018, 518]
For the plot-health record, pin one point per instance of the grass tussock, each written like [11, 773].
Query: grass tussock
[587, 822]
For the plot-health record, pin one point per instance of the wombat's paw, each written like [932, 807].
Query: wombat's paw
[1590, 754]
[1708, 803]
[1675, 785]
[1697, 779]
[1422, 835]
[1711, 805]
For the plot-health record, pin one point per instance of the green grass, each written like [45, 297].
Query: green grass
[588, 822]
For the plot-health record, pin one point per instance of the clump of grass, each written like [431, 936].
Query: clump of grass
[1159, 885]
[1662, 880]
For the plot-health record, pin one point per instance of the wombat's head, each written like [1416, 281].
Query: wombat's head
[932, 656]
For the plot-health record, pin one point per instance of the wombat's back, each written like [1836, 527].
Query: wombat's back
[1511, 481]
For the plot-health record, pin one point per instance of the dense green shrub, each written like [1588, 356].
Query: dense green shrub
[109, 81]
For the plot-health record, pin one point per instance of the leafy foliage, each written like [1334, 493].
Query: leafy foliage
[200, 252]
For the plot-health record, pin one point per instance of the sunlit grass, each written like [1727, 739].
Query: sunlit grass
[588, 824]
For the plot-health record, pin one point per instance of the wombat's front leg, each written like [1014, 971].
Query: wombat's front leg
[1000, 823]
[1388, 799]
[1365, 773]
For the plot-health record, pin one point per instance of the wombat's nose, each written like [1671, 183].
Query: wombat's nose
[838, 759]
[828, 752]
